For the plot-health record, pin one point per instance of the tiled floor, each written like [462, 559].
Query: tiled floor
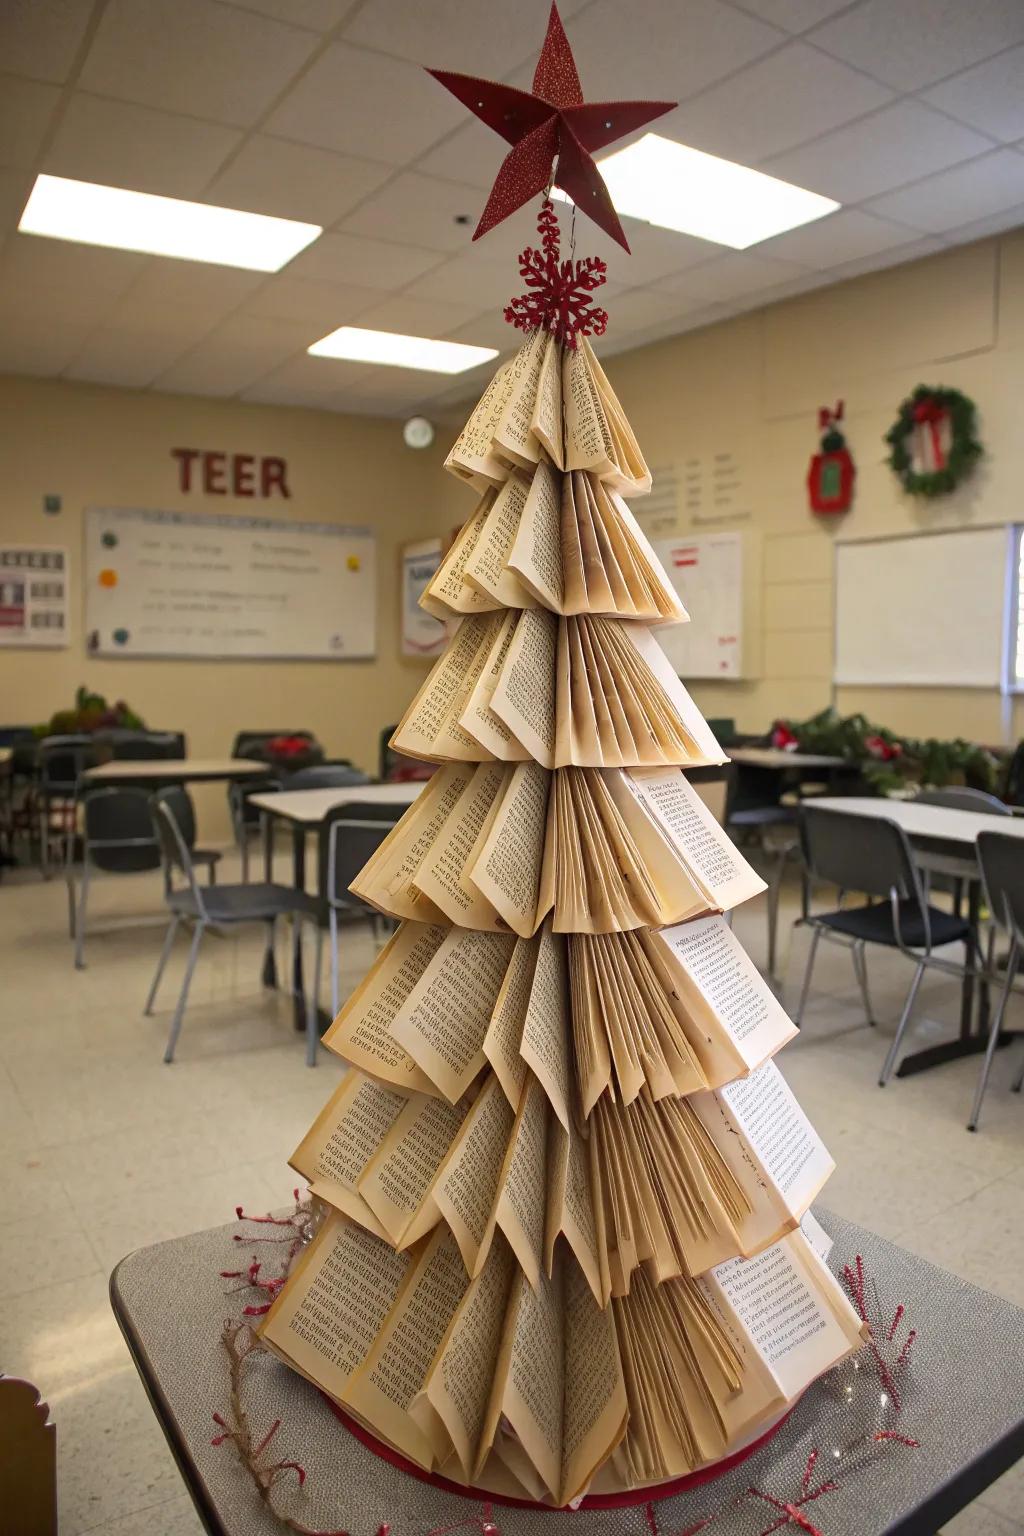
[105, 1149]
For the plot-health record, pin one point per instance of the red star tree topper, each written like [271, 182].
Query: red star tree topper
[550, 124]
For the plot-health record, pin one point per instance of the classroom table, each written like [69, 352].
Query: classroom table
[946, 832]
[305, 811]
[125, 772]
[964, 1407]
[775, 758]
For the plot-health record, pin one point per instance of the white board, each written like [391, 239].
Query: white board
[196, 584]
[923, 610]
[707, 572]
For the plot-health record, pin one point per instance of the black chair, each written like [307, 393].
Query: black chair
[753, 807]
[61, 762]
[1002, 871]
[254, 743]
[348, 838]
[245, 818]
[117, 839]
[870, 855]
[140, 746]
[217, 907]
[180, 802]
[326, 776]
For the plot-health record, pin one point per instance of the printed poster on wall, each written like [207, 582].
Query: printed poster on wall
[33, 595]
[706, 571]
[422, 635]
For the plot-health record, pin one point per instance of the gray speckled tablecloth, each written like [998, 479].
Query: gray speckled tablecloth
[966, 1409]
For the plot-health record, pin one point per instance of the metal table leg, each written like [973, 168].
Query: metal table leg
[269, 961]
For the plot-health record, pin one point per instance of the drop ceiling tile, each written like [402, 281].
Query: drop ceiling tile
[121, 144]
[470, 278]
[15, 187]
[295, 181]
[41, 344]
[363, 103]
[421, 208]
[640, 309]
[26, 108]
[471, 155]
[317, 15]
[995, 224]
[183, 294]
[930, 245]
[731, 277]
[896, 145]
[130, 357]
[29, 260]
[982, 187]
[838, 237]
[324, 305]
[457, 34]
[915, 42]
[662, 51]
[194, 56]
[418, 317]
[41, 37]
[489, 328]
[306, 381]
[366, 263]
[989, 97]
[773, 104]
[792, 15]
[234, 356]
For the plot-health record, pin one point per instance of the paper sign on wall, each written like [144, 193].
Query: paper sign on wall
[707, 572]
[209, 585]
[33, 595]
[421, 634]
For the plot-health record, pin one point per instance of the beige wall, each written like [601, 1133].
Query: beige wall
[98, 446]
[753, 385]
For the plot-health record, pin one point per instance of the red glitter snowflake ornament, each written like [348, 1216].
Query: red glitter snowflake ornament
[558, 300]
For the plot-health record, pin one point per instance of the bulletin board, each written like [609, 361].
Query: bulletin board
[208, 585]
[34, 583]
[706, 571]
[422, 635]
[924, 610]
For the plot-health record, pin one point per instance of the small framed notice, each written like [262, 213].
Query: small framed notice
[421, 634]
[33, 595]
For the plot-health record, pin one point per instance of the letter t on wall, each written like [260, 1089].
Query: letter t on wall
[186, 457]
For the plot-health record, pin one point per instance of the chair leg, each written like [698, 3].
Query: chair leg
[179, 1012]
[773, 898]
[243, 844]
[860, 965]
[815, 938]
[83, 894]
[908, 1008]
[1018, 1082]
[335, 966]
[313, 1000]
[44, 838]
[165, 954]
[993, 1036]
[211, 874]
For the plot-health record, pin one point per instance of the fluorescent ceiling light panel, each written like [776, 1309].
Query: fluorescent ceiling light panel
[162, 226]
[679, 188]
[394, 351]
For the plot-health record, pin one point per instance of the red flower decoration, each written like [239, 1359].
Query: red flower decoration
[558, 301]
[783, 738]
[884, 750]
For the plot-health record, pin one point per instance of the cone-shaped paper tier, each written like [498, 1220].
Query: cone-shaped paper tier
[564, 1171]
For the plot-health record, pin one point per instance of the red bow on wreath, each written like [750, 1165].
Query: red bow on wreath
[931, 414]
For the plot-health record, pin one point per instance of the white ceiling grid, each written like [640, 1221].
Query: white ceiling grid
[909, 112]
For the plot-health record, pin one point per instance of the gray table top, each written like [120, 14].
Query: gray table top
[966, 1409]
[181, 770]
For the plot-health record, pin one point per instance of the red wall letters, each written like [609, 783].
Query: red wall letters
[230, 474]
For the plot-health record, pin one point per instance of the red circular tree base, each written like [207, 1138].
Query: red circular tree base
[592, 1501]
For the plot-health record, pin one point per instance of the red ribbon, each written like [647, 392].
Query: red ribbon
[930, 413]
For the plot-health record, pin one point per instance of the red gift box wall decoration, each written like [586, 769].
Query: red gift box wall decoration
[831, 474]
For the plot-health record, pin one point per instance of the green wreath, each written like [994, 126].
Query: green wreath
[927, 405]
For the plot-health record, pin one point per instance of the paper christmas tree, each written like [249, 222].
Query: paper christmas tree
[565, 1178]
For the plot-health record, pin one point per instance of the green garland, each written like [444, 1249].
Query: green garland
[889, 761]
[964, 451]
